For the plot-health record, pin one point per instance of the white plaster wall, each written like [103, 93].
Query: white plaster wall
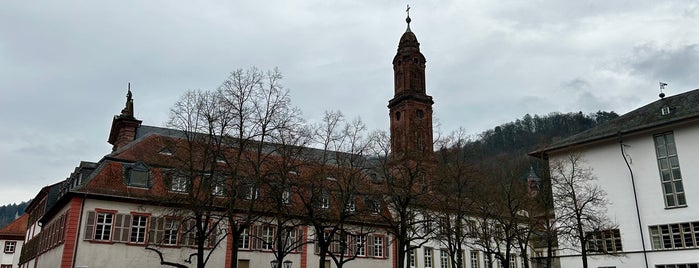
[94, 255]
[10, 258]
[613, 176]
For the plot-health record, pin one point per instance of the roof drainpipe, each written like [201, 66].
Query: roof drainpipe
[635, 198]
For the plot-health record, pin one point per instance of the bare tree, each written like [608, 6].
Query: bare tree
[406, 190]
[337, 181]
[259, 111]
[580, 204]
[452, 196]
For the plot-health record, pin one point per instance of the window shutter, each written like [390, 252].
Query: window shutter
[352, 245]
[255, 233]
[299, 239]
[213, 235]
[386, 248]
[370, 245]
[126, 228]
[118, 223]
[155, 230]
[89, 226]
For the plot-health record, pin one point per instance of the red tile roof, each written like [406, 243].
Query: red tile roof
[17, 228]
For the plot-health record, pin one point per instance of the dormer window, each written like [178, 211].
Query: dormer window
[165, 151]
[137, 175]
[665, 110]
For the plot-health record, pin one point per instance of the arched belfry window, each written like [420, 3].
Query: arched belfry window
[419, 113]
[397, 116]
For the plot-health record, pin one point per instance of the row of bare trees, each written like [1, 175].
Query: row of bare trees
[247, 158]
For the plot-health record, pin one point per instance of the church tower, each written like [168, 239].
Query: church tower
[410, 110]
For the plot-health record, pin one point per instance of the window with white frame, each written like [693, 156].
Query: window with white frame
[324, 200]
[412, 258]
[351, 205]
[427, 254]
[513, 260]
[103, 226]
[179, 183]
[676, 235]
[267, 237]
[244, 239]
[138, 228]
[378, 246]
[251, 191]
[443, 258]
[171, 232]
[604, 241]
[218, 182]
[475, 259]
[286, 196]
[669, 167]
[10, 246]
[361, 244]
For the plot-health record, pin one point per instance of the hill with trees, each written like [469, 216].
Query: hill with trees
[9, 212]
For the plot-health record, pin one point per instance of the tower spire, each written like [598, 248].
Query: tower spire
[407, 19]
[127, 112]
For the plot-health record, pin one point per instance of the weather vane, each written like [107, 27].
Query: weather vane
[407, 10]
[662, 86]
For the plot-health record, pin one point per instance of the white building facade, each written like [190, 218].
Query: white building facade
[645, 161]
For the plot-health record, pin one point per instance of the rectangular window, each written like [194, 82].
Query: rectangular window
[378, 246]
[138, 175]
[684, 265]
[361, 243]
[171, 232]
[179, 184]
[138, 229]
[513, 260]
[267, 237]
[676, 235]
[604, 241]
[475, 259]
[427, 252]
[443, 258]
[412, 259]
[286, 196]
[325, 201]
[351, 205]
[669, 167]
[252, 192]
[10, 246]
[244, 239]
[103, 226]
[218, 183]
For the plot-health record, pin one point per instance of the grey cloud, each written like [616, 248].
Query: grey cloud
[664, 63]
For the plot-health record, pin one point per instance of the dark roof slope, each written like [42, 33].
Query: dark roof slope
[682, 107]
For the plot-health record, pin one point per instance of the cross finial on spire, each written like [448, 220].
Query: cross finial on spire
[407, 10]
[128, 93]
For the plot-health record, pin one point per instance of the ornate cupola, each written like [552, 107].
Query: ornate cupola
[410, 110]
[124, 125]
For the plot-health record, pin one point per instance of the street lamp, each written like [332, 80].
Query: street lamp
[274, 263]
[287, 264]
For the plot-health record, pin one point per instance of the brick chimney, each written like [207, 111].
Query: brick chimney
[124, 125]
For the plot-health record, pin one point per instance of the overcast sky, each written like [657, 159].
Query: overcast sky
[64, 65]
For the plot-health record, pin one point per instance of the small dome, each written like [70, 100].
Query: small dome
[408, 40]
